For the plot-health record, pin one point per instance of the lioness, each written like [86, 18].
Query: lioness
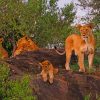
[48, 70]
[3, 52]
[25, 44]
[81, 44]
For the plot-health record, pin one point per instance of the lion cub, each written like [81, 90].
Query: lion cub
[48, 71]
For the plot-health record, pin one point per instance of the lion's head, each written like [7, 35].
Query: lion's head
[25, 44]
[85, 30]
[45, 65]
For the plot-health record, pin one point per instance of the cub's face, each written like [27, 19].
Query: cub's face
[45, 65]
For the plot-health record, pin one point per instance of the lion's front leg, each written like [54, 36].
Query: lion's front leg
[51, 76]
[90, 60]
[44, 76]
[81, 62]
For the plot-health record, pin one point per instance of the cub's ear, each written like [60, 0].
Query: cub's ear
[1, 39]
[91, 25]
[78, 26]
[40, 64]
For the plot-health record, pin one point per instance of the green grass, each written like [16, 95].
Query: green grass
[87, 97]
[97, 60]
[18, 89]
[96, 63]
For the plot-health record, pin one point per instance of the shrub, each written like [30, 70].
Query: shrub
[18, 89]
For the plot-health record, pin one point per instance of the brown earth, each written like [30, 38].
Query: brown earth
[67, 85]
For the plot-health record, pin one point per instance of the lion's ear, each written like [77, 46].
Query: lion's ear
[1, 39]
[78, 26]
[40, 64]
[91, 25]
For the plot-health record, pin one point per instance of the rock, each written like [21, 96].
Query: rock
[68, 86]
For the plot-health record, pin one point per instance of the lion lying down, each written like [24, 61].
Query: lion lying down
[48, 71]
[3, 52]
[81, 45]
[25, 44]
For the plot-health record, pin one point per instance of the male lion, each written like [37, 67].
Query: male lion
[48, 70]
[80, 44]
[3, 52]
[25, 44]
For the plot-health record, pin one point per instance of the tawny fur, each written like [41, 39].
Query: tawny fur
[25, 44]
[48, 71]
[3, 52]
[81, 44]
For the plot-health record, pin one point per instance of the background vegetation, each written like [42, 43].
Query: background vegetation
[17, 89]
[47, 24]
[43, 20]
[93, 15]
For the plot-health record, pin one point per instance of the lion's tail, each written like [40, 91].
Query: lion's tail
[60, 53]
[55, 70]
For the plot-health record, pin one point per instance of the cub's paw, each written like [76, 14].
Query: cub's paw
[51, 81]
[82, 70]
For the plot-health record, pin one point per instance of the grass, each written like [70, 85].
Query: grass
[96, 63]
[18, 89]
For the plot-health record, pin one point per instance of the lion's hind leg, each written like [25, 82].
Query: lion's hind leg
[90, 60]
[68, 57]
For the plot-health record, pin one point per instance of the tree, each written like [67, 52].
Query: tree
[54, 24]
[94, 13]
[17, 19]
[94, 10]
[41, 18]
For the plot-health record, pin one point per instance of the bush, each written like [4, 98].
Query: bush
[18, 89]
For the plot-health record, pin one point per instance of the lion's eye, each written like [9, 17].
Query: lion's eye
[86, 29]
[81, 30]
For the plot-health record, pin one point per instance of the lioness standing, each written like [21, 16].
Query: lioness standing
[81, 44]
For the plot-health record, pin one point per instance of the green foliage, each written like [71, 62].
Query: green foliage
[97, 60]
[93, 10]
[97, 37]
[17, 18]
[14, 89]
[43, 19]
[54, 25]
[87, 97]
[19, 90]
[4, 73]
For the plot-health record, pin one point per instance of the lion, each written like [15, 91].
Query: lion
[25, 44]
[3, 52]
[81, 44]
[48, 71]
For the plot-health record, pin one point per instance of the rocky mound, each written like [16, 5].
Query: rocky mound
[66, 86]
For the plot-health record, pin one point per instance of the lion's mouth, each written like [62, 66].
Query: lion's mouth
[85, 38]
